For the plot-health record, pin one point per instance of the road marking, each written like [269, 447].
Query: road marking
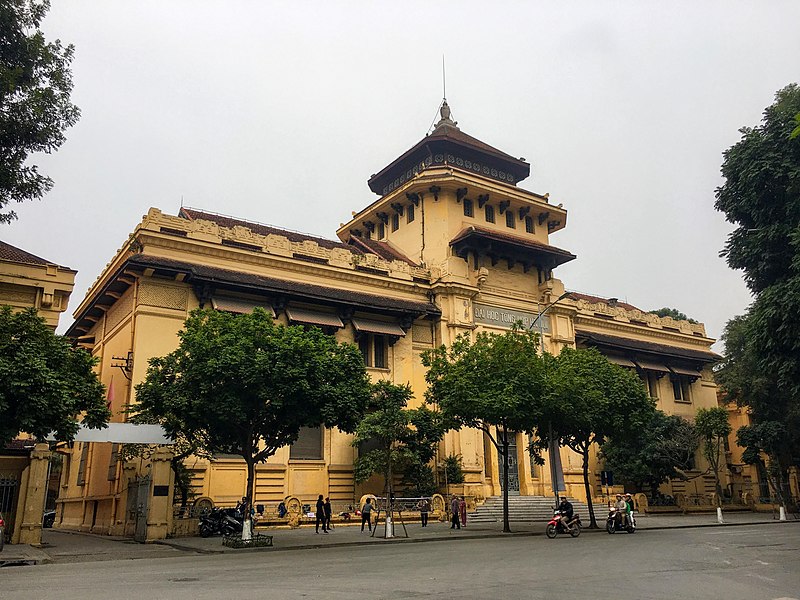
[757, 576]
[761, 562]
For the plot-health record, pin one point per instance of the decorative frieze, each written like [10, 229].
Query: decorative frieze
[651, 320]
[278, 245]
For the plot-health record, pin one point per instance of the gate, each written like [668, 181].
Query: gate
[513, 468]
[138, 503]
[8, 500]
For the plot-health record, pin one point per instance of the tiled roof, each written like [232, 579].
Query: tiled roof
[286, 286]
[14, 254]
[225, 221]
[383, 249]
[631, 345]
[512, 239]
[606, 301]
[449, 132]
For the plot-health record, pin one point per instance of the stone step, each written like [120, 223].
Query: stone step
[520, 508]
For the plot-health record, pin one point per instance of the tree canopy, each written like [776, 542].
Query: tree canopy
[761, 196]
[672, 312]
[242, 384]
[46, 385]
[663, 448]
[592, 400]
[495, 384]
[713, 429]
[405, 438]
[35, 106]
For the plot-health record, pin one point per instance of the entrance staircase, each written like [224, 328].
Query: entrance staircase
[521, 509]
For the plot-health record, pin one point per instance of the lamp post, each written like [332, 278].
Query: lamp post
[554, 448]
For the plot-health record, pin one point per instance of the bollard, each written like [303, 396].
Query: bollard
[719, 515]
[389, 528]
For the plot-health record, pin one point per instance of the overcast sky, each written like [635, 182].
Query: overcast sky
[279, 112]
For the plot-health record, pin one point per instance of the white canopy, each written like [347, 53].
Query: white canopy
[122, 433]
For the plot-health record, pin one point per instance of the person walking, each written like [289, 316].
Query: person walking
[366, 514]
[462, 510]
[320, 515]
[424, 507]
[328, 513]
[455, 507]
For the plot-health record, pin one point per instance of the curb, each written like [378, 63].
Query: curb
[476, 536]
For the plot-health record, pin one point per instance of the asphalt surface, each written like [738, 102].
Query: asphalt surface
[747, 562]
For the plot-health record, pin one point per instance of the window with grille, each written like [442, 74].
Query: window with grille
[489, 212]
[529, 224]
[468, 209]
[510, 220]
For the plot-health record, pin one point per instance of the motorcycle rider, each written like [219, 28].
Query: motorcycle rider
[566, 510]
[622, 510]
[629, 502]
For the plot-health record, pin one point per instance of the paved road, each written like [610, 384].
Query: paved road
[747, 562]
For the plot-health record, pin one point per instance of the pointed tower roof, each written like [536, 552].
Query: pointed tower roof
[448, 145]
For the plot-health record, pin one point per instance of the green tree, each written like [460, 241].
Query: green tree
[713, 429]
[672, 312]
[761, 196]
[45, 383]
[592, 400]
[495, 384]
[242, 384]
[662, 449]
[405, 439]
[35, 106]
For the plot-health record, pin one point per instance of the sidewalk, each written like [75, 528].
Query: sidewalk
[68, 547]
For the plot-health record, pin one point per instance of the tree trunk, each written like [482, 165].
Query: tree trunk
[251, 477]
[175, 463]
[506, 526]
[587, 489]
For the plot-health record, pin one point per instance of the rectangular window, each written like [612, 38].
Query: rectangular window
[374, 349]
[468, 210]
[410, 213]
[510, 219]
[395, 222]
[529, 224]
[112, 463]
[680, 388]
[308, 445]
[652, 385]
[489, 212]
[82, 464]
[381, 231]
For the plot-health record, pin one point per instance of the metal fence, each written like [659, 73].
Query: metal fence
[9, 485]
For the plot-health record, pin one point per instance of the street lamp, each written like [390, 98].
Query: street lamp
[553, 449]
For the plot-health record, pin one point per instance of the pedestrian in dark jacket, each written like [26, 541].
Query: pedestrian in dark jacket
[455, 509]
[320, 515]
[366, 514]
[328, 513]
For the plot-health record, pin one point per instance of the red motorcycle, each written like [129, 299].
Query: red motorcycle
[556, 526]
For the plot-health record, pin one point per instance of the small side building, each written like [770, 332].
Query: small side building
[28, 281]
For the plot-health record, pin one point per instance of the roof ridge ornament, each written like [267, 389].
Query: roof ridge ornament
[445, 113]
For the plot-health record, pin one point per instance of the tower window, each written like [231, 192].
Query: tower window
[410, 213]
[468, 210]
[489, 212]
[381, 231]
[529, 224]
[510, 220]
[395, 222]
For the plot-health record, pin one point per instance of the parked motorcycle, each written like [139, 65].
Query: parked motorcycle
[617, 521]
[221, 521]
[556, 526]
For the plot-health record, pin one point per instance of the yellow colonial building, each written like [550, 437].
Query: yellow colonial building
[28, 281]
[452, 245]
